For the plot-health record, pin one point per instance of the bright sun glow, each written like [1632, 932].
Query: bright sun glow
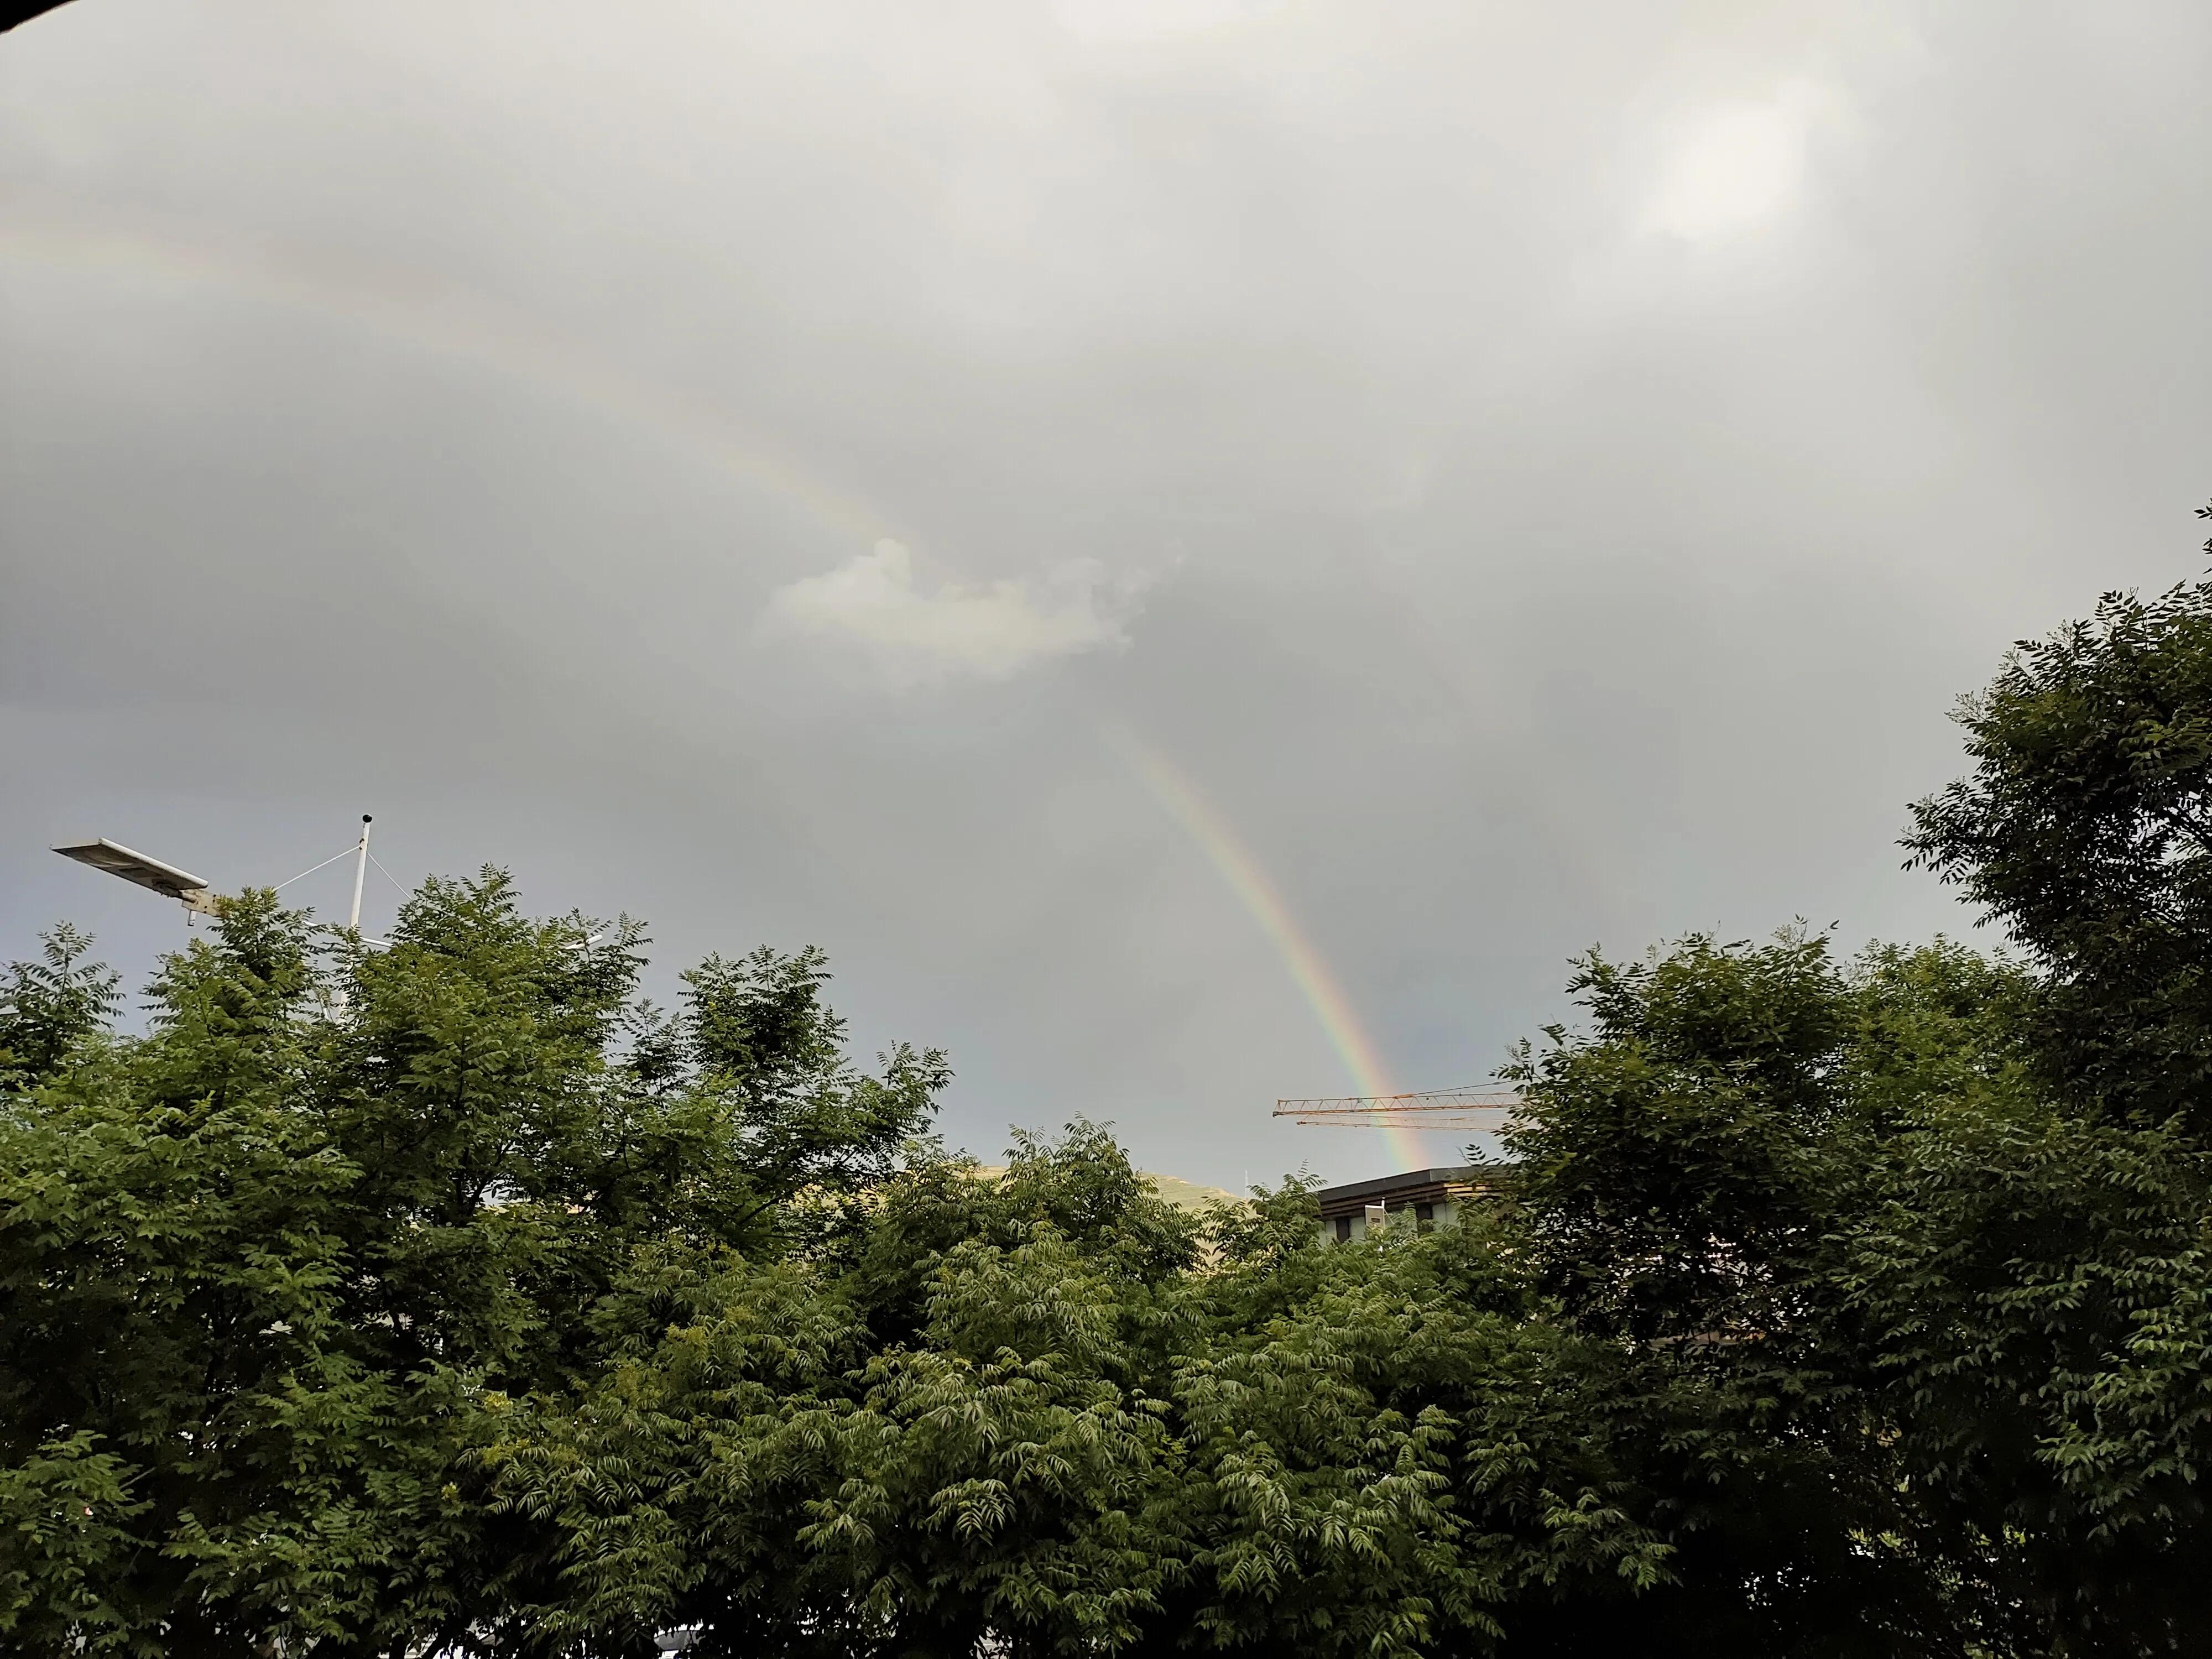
[1737, 166]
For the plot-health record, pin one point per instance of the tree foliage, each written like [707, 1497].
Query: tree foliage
[266, 1267]
[2085, 829]
[453, 1297]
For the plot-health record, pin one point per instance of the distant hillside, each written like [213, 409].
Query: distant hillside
[1187, 1195]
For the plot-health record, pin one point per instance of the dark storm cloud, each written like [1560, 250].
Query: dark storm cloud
[1543, 473]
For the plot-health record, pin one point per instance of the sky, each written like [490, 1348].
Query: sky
[1203, 548]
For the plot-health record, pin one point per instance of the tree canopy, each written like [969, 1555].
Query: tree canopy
[452, 1297]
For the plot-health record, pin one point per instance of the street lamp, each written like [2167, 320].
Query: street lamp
[195, 895]
[135, 867]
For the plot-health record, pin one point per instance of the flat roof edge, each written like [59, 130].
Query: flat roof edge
[1464, 1175]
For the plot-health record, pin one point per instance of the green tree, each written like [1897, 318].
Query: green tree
[452, 1295]
[1044, 1411]
[167, 1296]
[2085, 828]
[1922, 1342]
[49, 1008]
[1690, 1174]
[2040, 1273]
[267, 1272]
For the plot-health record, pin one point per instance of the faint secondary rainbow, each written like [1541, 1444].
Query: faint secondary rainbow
[446, 320]
[1234, 861]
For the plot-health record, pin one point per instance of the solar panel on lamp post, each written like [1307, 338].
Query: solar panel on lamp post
[150, 873]
[195, 894]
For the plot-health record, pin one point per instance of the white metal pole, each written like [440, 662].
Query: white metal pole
[360, 873]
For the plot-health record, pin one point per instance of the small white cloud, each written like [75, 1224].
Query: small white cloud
[989, 631]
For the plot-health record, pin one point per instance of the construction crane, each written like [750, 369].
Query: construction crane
[1471, 1108]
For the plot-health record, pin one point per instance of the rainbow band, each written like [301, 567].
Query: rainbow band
[442, 319]
[446, 320]
[1249, 881]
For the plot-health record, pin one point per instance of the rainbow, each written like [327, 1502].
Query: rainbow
[1234, 861]
[446, 320]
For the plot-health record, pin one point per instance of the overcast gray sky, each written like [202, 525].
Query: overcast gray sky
[1201, 548]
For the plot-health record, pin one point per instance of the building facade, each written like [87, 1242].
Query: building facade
[1424, 1198]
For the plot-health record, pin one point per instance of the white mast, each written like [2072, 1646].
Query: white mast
[360, 873]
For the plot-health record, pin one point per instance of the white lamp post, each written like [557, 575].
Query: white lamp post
[195, 894]
[359, 872]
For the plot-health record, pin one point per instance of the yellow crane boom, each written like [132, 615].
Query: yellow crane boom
[1471, 1108]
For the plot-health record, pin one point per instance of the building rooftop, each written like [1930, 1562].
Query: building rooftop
[1407, 1189]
